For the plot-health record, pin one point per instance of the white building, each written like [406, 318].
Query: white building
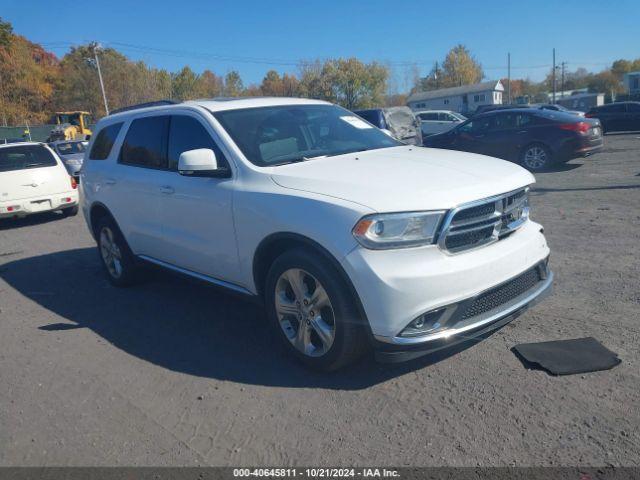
[631, 82]
[458, 99]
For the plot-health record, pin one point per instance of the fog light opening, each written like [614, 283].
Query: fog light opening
[424, 324]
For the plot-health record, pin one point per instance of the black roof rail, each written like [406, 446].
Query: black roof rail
[157, 103]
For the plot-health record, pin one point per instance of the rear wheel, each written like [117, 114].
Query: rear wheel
[312, 312]
[117, 259]
[536, 157]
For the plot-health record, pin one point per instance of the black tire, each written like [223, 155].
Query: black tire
[128, 271]
[70, 212]
[539, 162]
[349, 335]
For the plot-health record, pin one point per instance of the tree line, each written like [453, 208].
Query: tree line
[34, 83]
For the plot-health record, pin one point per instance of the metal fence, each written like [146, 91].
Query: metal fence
[36, 133]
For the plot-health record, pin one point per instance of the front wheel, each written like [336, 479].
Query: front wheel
[312, 312]
[536, 157]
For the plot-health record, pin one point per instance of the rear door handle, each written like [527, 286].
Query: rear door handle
[109, 181]
[166, 189]
[522, 131]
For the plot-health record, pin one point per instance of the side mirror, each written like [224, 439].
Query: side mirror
[200, 163]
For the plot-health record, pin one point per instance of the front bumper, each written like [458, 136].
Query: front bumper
[407, 348]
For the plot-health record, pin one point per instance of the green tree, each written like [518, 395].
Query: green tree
[272, 84]
[184, 85]
[233, 86]
[349, 82]
[6, 33]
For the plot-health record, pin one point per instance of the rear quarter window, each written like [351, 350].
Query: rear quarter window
[25, 157]
[104, 142]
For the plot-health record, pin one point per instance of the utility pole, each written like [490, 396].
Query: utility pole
[509, 78]
[96, 47]
[436, 75]
[562, 80]
[553, 76]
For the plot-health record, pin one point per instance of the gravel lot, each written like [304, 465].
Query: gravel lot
[177, 373]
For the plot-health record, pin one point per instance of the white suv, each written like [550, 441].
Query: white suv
[351, 238]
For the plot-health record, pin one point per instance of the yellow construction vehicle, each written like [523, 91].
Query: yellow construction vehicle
[70, 126]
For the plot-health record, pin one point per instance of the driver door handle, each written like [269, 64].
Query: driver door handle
[522, 131]
[109, 181]
[167, 189]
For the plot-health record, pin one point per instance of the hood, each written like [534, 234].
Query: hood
[404, 178]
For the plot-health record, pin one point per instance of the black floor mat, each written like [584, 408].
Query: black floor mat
[566, 357]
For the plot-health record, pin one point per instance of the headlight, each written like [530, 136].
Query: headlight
[397, 230]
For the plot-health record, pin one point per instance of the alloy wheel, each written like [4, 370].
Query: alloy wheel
[535, 157]
[110, 252]
[304, 312]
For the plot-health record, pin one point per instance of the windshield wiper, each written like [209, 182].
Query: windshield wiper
[297, 160]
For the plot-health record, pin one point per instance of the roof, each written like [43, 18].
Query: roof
[453, 91]
[19, 144]
[219, 104]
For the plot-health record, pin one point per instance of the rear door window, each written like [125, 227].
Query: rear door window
[428, 116]
[187, 133]
[145, 144]
[25, 157]
[104, 142]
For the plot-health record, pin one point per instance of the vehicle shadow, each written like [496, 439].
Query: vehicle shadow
[182, 325]
[29, 221]
[563, 167]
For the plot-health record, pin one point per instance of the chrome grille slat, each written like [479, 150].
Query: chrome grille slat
[484, 221]
[473, 229]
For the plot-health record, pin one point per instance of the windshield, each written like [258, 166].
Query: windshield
[284, 134]
[26, 156]
[70, 148]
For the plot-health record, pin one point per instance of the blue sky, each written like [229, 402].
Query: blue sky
[255, 36]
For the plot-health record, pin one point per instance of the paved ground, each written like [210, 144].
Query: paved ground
[176, 373]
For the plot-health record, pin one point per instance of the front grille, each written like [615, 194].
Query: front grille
[468, 239]
[485, 221]
[503, 293]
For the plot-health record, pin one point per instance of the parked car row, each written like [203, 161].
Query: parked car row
[532, 137]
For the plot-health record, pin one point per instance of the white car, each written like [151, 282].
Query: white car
[33, 180]
[438, 121]
[352, 239]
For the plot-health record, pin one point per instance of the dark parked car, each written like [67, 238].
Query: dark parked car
[493, 108]
[534, 138]
[617, 117]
